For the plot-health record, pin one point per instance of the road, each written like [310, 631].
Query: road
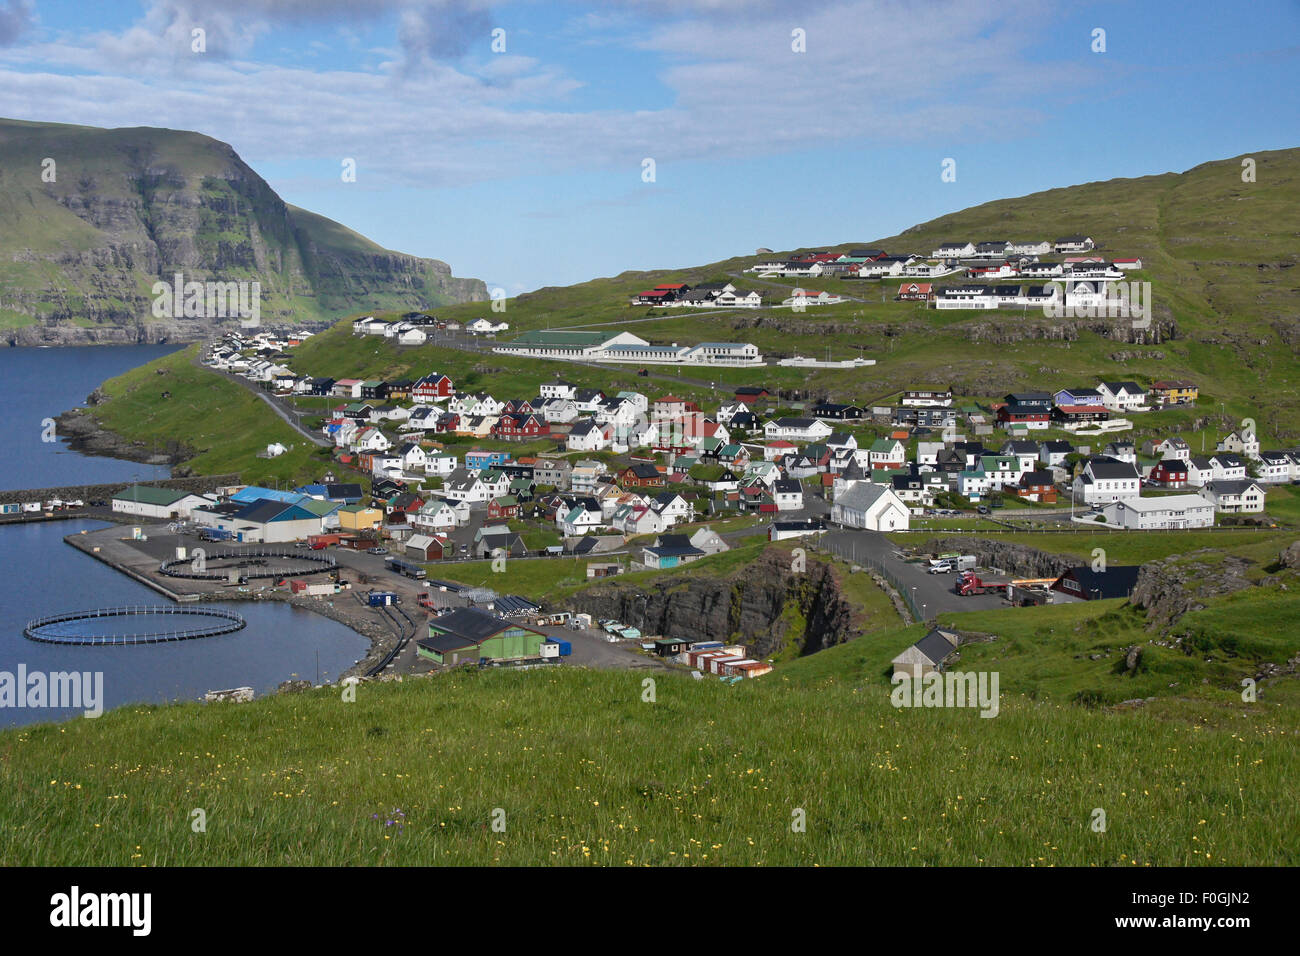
[285, 411]
[933, 593]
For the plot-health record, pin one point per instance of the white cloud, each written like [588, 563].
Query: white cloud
[421, 116]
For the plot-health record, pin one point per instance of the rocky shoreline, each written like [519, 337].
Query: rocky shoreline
[86, 435]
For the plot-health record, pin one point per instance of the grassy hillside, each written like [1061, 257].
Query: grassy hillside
[586, 773]
[1218, 252]
[223, 423]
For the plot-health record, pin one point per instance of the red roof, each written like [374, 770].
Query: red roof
[925, 287]
[653, 293]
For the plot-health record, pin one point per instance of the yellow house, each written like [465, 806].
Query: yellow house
[1175, 393]
[359, 518]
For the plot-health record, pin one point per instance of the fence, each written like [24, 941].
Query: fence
[40, 629]
[850, 551]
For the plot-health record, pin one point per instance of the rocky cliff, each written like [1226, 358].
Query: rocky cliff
[91, 219]
[1168, 589]
[1010, 557]
[766, 606]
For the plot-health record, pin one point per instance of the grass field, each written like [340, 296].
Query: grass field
[224, 423]
[575, 769]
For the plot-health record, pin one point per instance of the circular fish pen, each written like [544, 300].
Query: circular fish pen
[248, 565]
[61, 628]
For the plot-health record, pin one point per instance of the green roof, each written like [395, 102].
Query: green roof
[562, 339]
[147, 494]
[319, 508]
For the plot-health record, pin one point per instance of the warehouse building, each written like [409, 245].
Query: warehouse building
[145, 501]
[469, 635]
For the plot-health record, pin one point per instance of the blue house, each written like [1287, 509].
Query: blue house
[478, 459]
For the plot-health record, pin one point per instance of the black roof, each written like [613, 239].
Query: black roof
[1115, 581]
[935, 646]
[468, 625]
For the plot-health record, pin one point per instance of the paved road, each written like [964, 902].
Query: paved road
[934, 591]
[277, 406]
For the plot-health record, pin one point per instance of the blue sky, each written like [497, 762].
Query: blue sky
[524, 167]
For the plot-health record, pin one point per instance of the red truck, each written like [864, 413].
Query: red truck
[971, 583]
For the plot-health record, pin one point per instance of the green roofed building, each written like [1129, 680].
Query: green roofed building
[146, 501]
[469, 635]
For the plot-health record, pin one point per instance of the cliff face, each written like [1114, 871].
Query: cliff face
[1007, 555]
[90, 219]
[766, 606]
[1170, 588]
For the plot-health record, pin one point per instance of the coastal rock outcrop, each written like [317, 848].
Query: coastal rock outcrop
[766, 606]
[1007, 555]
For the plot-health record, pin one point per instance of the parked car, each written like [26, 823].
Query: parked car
[376, 550]
[983, 509]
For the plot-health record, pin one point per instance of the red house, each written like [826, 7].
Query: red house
[1037, 486]
[749, 394]
[640, 476]
[519, 427]
[499, 508]
[1033, 416]
[432, 387]
[1170, 473]
[915, 292]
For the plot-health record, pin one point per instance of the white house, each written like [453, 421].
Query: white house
[1243, 443]
[1234, 496]
[463, 485]
[486, 327]
[788, 493]
[435, 515]
[873, 507]
[558, 389]
[440, 464]
[590, 436]
[1160, 512]
[372, 439]
[797, 429]
[1105, 479]
[1122, 396]
[413, 457]
[1228, 467]
[1275, 467]
[1173, 447]
[954, 250]
[673, 507]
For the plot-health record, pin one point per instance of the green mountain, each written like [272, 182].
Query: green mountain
[91, 218]
[1219, 254]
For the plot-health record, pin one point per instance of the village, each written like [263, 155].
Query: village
[426, 479]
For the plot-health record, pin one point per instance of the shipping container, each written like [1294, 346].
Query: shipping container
[717, 664]
[12, 509]
[381, 598]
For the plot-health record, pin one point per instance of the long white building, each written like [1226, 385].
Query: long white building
[624, 347]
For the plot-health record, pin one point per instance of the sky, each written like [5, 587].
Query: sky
[532, 143]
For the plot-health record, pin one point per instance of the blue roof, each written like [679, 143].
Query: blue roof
[256, 493]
